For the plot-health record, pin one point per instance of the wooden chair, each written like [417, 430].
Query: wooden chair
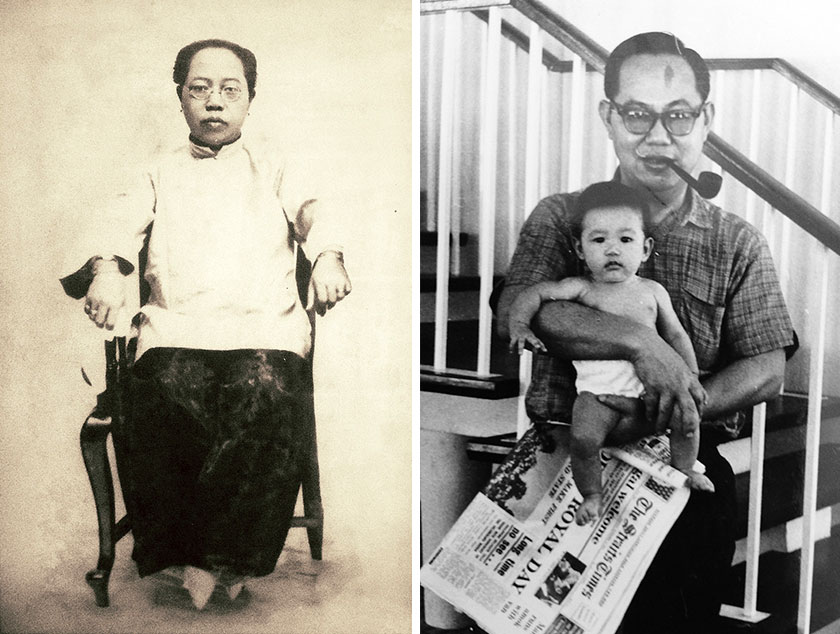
[108, 415]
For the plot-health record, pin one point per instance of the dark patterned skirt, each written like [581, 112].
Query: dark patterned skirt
[210, 454]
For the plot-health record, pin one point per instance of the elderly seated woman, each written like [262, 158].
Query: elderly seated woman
[220, 396]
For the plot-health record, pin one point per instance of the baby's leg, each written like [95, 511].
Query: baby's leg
[629, 429]
[683, 457]
[591, 422]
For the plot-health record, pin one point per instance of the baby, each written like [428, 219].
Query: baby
[609, 236]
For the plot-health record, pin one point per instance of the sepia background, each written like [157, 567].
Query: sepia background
[88, 96]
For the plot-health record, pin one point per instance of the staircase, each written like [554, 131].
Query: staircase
[538, 135]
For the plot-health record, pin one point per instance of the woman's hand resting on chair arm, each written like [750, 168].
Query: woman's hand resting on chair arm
[329, 283]
[106, 293]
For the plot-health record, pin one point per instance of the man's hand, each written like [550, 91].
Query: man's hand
[520, 335]
[673, 395]
[329, 283]
[106, 294]
[631, 419]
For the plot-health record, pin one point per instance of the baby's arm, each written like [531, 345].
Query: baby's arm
[671, 330]
[528, 302]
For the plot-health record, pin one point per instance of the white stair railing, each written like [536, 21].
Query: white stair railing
[815, 392]
[487, 186]
[451, 37]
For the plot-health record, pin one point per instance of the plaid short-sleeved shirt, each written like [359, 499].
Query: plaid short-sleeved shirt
[716, 267]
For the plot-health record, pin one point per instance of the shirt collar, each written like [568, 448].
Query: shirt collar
[698, 211]
[203, 151]
[695, 209]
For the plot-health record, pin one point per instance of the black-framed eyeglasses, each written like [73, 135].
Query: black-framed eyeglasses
[638, 120]
[202, 92]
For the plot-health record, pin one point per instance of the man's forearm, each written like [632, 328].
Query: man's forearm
[744, 383]
[573, 331]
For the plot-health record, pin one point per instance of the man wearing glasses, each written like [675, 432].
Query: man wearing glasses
[221, 396]
[722, 282]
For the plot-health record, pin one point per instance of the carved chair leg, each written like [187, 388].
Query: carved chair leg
[312, 507]
[95, 453]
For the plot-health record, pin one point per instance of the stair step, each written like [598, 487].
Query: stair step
[457, 283]
[462, 306]
[462, 349]
[783, 490]
[791, 410]
[468, 384]
[491, 449]
[778, 589]
[464, 254]
[787, 537]
[430, 238]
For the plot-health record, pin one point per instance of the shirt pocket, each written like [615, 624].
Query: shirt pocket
[702, 312]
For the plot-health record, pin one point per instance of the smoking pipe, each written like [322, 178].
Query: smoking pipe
[708, 185]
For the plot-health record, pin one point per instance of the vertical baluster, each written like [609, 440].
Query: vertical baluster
[576, 123]
[815, 379]
[488, 144]
[431, 41]
[532, 120]
[451, 36]
[532, 155]
[755, 135]
[790, 178]
[748, 612]
[457, 151]
[514, 217]
[754, 514]
[546, 137]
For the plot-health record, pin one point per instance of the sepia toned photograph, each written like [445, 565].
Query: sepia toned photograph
[629, 231]
[206, 317]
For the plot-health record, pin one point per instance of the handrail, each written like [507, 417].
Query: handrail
[734, 162]
[787, 70]
[772, 191]
[551, 62]
[818, 92]
[563, 31]
[438, 6]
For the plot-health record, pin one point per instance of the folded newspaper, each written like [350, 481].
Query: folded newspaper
[544, 574]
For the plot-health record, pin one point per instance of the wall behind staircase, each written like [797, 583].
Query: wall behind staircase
[804, 33]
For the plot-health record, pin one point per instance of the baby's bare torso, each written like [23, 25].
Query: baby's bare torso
[634, 299]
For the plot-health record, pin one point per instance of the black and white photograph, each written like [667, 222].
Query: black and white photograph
[694, 298]
[562, 579]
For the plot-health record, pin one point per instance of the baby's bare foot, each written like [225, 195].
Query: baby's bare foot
[699, 482]
[590, 509]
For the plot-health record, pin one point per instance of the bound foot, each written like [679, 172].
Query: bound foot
[232, 583]
[699, 482]
[590, 509]
[200, 584]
